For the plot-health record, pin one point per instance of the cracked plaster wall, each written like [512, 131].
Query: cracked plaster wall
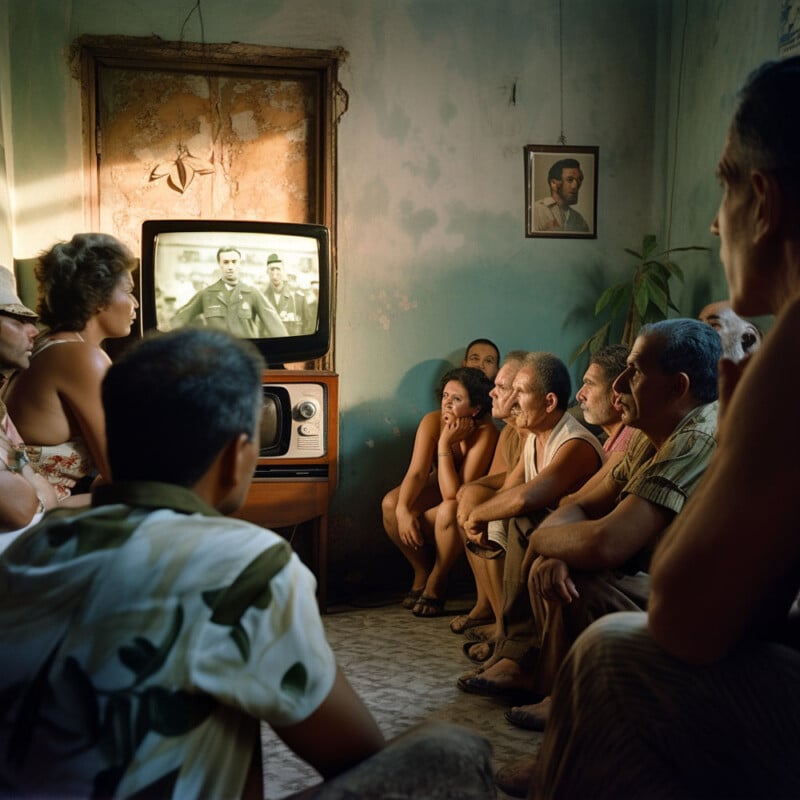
[444, 94]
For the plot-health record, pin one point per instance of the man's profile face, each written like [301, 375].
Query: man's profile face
[644, 388]
[566, 190]
[229, 265]
[16, 342]
[597, 398]
[503, 392]
[529, 407]
[734, 222]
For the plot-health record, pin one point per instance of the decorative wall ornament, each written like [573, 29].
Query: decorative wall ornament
[180, 172]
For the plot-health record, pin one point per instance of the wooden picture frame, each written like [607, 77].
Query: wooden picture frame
[563, 207]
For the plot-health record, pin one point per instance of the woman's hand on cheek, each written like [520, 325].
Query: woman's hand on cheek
[455, 430]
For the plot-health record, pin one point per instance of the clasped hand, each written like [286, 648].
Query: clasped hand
[552, 581]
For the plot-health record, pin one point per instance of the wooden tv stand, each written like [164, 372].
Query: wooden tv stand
[303, 493]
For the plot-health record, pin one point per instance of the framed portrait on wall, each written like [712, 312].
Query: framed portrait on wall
[561, 191]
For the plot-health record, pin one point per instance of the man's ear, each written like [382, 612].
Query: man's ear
[767, 204]
[233, 465]
[681, 384]
[550, 402]
[241, 463]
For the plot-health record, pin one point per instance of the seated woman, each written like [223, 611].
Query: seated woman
[85, 297]
[452, 446]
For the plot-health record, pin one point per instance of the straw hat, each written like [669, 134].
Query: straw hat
[9, 300]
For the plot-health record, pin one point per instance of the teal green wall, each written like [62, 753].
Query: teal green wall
[431, 243]
[719, 42]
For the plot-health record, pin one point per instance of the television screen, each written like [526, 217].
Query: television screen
[268, 282]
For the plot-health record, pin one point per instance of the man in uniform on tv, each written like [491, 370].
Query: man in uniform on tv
[232, 305]
[280, 293]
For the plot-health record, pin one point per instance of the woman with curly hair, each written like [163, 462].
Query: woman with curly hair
[453, 445]
[85, 297]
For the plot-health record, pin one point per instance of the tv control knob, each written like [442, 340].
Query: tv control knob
[307, 409]
[307, 429]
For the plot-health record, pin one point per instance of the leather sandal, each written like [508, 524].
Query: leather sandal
[428, 606]
[465, 622]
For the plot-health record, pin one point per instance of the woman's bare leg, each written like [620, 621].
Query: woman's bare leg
[421, 559]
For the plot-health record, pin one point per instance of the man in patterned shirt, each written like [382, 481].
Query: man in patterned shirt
[24, 494]
[142, 641]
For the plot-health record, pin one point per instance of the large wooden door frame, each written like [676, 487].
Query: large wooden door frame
[91, 52]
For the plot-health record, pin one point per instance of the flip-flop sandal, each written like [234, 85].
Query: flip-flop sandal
[428, 606]
[410, 600]
[465, 622]
[482, 652]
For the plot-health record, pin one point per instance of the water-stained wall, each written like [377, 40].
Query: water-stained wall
[443, 96]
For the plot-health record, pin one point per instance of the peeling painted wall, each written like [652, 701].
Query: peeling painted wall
[443, 94]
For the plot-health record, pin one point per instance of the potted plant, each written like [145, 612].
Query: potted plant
[644, 297]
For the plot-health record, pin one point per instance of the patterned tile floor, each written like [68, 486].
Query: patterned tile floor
[405, 670]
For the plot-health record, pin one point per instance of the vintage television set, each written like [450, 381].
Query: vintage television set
[296, 470]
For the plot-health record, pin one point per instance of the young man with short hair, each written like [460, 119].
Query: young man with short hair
[143, 641]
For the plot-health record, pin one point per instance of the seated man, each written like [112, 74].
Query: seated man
[558, 456]
[486, 564]
[598, 405]
[483, 355]
[24, 494]
[698, 698]
[143, 640]
[740, 338]
[591, 557]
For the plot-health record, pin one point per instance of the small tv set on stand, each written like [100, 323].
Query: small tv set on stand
[189, 268]
[269, 283]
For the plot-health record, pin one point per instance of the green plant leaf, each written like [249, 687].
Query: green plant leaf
[641, 299]
[600, 338]
[610, 296]
[577, 352]
[684, 249]
[624, 299]
[657, 295]
[648, 244]
[675, 270]
[597, 340]
[636, 255]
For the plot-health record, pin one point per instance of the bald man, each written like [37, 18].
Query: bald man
[740, 338]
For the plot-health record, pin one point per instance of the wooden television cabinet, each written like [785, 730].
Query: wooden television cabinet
[295, 488]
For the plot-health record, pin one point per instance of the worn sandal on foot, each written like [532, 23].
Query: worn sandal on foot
[428, 606]
[478, 652]
[410, 600]
[531, 717]
[465, 622]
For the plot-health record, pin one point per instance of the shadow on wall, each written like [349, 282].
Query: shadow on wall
[362, 561]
